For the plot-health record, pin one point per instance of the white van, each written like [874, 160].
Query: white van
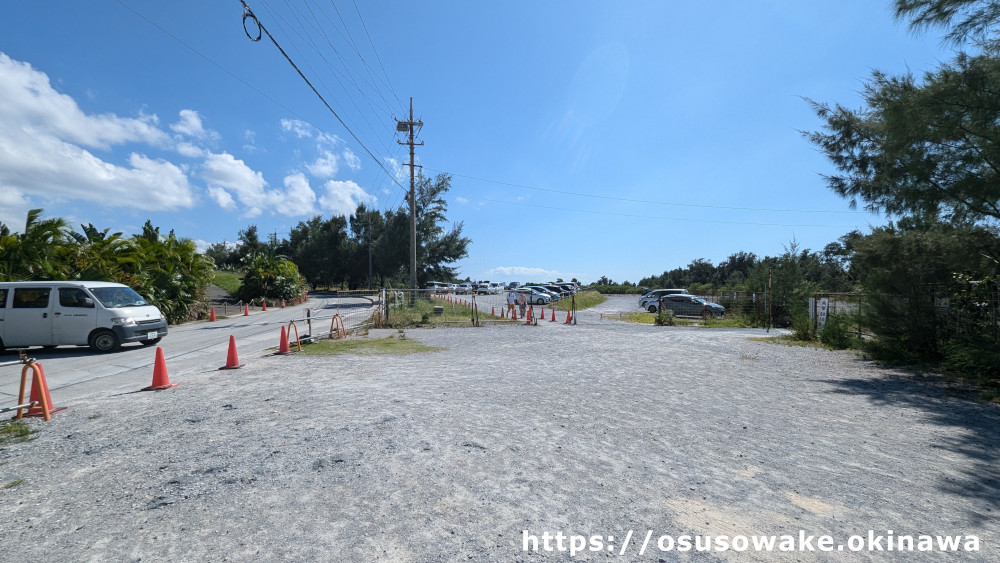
[102, 315]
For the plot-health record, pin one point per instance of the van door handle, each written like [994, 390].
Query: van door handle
[45, 315]
[57, 313]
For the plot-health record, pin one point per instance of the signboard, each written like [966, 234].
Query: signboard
[822, 309]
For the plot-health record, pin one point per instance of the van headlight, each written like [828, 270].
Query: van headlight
[122, 321]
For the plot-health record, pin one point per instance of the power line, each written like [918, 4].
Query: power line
[670, 203]
[377, 57]
[236, 77]
[614, 214]
[248, 13]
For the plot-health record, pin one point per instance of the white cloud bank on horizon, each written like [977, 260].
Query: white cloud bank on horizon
[534, 274]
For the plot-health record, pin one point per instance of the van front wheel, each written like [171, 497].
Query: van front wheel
[104, 341]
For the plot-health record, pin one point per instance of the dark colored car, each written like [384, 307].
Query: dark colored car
[687, 305]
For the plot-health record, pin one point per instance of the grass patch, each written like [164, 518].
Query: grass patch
[399, 345]
[15, 432]
[649, 318]
[229, 281]
[730, 321]
[584, 300]
[788, 340]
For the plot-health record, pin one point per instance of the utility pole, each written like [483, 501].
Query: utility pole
[410, 126]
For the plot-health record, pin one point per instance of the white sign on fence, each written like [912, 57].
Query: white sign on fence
[822, 308]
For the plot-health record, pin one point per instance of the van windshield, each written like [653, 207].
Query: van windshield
[116, 297]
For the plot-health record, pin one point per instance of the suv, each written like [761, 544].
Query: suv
[654, 296]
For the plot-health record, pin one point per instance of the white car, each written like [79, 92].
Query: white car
[464, 288]
[535, 296]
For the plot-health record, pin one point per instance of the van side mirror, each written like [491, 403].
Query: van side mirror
[88, 302]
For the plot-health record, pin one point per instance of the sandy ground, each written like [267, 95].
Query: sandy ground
[502, 435]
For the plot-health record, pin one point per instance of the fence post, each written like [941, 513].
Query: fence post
[309, 322]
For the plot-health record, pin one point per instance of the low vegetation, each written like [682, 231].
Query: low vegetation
[393, 345]
[15, 432]
[584, 300]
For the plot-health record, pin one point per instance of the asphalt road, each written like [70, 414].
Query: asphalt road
[74, 372]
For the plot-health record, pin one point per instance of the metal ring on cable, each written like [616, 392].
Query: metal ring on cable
[249, 14]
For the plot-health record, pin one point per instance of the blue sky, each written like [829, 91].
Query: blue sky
[585, 138]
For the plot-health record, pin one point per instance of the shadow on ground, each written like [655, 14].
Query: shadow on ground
[975, 428]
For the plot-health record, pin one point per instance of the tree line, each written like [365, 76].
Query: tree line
[369, 249]
[165, 269]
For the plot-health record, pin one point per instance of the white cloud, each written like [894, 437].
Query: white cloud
[231, 183]
[190, 125]
[190, 151]
[343, 197]
[524, 272]
[298, 198]
[13, 209]
[300, 128]
[30, 101]
[325, 165]
[461, 200]
[44, 141]
[222, 197]
[352, 160]
[397, 169]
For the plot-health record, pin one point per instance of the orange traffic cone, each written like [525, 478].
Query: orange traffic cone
[263, 303]
[567, 317]
[282, 303]
[212, 316]
[246, 310]
[160, 378]
[513, 314]
[37, 394]
[233, 359]
[527, 318]
[283, 345]
[553, 316]
[493, 311]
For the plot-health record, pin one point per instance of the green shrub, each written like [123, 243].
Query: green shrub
[665, 317]
[836, 333]
[802, 326]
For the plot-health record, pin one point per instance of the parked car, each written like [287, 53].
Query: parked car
[570, 287]
[102, 315]
[464, 288]
[552, 295]
[654, 295]
[562, 291]
[536, 296]
[687, 305]
[513, 285]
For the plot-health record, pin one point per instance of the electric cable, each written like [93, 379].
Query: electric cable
[248, 13]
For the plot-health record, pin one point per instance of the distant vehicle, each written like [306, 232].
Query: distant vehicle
[687, 305]
[654, 295]
[436, 286]
[570, 287]
[513, 285]
[562, 291]
[535, 295]
[465, 288]
[102, 315]
[552, 295]
[497, 287]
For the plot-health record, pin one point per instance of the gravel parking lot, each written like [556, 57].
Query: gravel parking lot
[597, 429]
